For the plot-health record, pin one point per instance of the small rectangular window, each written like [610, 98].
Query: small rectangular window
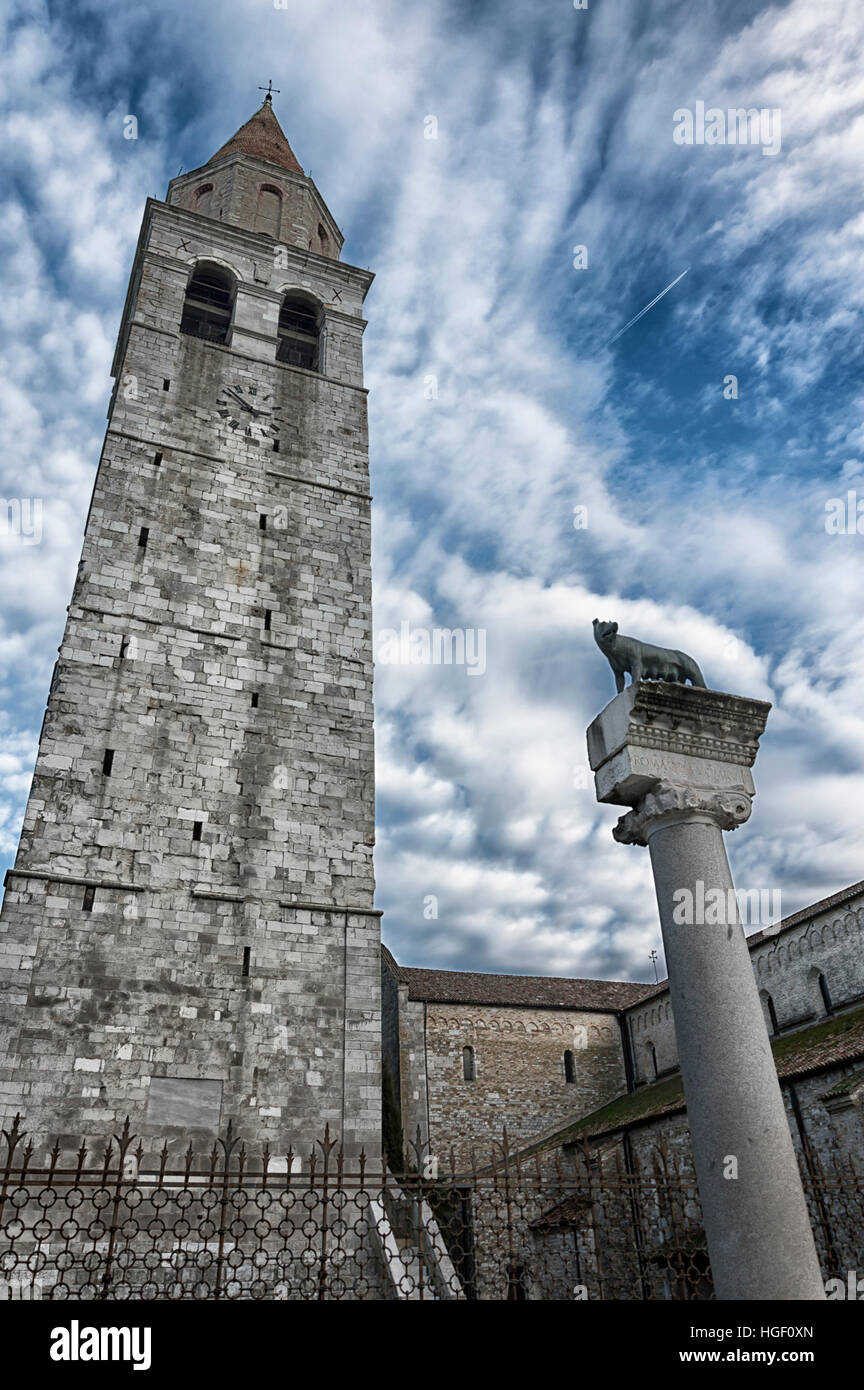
[166, 383]
[268, 614]
[89, 896]
[157, 458]
[254, 699]
[143, 537]
[275, 446]
[197, 826]
[124, 647]
[107, 762]
[262, 521]
[247, 956]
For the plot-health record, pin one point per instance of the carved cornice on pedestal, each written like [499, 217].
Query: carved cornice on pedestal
[668, 801]
[699, 723]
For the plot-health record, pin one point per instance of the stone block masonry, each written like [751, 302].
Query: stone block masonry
[192, 899]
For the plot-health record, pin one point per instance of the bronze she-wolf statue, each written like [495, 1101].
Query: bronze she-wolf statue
[644, 662]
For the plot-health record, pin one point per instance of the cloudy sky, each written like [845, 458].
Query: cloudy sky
[498, 403]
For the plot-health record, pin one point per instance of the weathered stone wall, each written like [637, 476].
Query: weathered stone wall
[236, 182]
[413, 1072]
[520, 1076]
[227, 666]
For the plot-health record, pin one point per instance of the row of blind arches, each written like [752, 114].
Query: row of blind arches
[209, 305]
[771, 1017]
[469, 1065]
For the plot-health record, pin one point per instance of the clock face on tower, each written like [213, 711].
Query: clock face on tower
[249, 412]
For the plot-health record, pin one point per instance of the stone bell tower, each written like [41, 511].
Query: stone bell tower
[188, 934]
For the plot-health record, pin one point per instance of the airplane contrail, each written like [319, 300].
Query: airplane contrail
[638, 316]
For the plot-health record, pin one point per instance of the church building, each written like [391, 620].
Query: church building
[188, 935]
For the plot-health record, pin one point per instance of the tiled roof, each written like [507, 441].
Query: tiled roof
[845, 1087]
[529, 991]
[262, 137]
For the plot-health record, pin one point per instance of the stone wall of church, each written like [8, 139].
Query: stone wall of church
[787, 966]
[520, 1080]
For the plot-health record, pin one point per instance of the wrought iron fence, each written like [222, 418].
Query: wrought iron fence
[559, 1225]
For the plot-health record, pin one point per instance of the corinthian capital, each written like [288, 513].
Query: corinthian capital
[667, 801]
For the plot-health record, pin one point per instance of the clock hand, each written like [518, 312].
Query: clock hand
[236, 394]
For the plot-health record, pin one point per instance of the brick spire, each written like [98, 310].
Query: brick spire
[262, 137]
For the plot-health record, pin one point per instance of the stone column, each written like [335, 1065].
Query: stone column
[681, 758]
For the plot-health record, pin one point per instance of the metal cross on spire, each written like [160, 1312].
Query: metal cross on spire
[269, 89]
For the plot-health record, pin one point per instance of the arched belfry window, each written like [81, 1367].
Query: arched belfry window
[268, 213]
[299, 333]
[204, 199]
[208, 304]
[469, 1064]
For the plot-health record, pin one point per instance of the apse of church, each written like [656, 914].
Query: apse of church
[189, 931]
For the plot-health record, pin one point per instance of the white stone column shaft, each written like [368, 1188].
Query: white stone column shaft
[681, 757]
